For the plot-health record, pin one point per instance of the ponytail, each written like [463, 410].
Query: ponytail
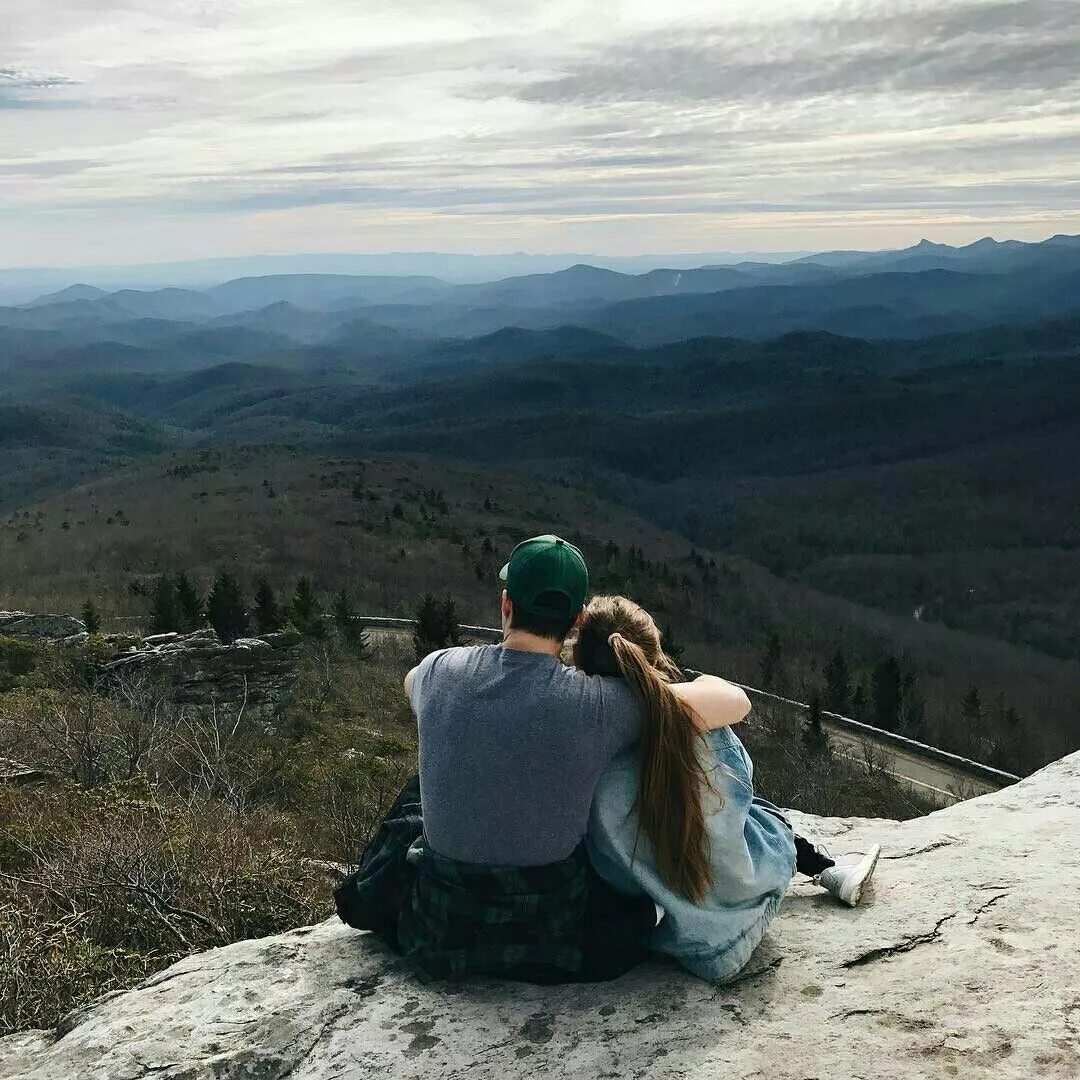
[669, 805]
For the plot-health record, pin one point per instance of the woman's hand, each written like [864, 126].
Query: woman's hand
[714, 702]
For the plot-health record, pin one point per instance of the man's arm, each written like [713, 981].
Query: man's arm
[714, 701]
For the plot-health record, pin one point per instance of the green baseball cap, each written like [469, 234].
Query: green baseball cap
[547, 564]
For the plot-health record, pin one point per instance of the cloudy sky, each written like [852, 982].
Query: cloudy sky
[137, 130]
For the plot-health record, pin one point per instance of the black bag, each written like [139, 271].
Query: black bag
[370, 897]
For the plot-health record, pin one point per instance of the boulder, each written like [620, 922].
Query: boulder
[52, 627]
[17, 772]
[963, 962]
[205, 672]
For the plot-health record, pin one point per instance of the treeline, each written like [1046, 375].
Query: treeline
[887, 695]
[177, 605]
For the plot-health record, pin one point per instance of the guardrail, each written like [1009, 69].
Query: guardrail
[942, 776]
[938, 774]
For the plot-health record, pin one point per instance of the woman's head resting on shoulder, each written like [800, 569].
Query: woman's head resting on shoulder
[608, 625]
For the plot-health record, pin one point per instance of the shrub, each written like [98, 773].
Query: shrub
[17, 658]
[105, 886]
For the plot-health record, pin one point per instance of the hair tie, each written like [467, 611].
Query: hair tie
[612, 637]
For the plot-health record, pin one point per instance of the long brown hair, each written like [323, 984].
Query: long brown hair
[618, 637]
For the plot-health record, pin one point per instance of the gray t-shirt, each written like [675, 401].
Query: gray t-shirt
[511, 746]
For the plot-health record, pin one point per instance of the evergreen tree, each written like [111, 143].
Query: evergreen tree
[972, 710]
[771, 663]
[304, 610]
[671, 644]
[91, 618]
[860, 701]
[887, 693]
[352, 631]
[814, 736]
[343, 613]
[189, 604]
[838, 684]
[436, 625]
[164, 611]
[912, 708]
[1009, 751]
[225, 608]
[268, 615]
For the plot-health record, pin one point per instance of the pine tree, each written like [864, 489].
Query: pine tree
[342, 611]
[267, 613]
[164, 611]
[814, 736]
[189, 604]
[972, 710]
[225, 608]
[860, 700]
[912, 708]
[1009, 752]
[771, 663]
[436, 625]
[304, 610]
[91, 618]
[887, 693]
[671, 644]
[838, 683]
[352, 631]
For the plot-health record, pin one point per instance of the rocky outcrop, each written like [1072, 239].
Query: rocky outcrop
[204, 672]
[19, 773]
[963, 963]
[23, 624]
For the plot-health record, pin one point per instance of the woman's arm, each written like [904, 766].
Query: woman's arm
[714, 701]
[409, 680]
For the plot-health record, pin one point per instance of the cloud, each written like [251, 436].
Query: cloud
[29, 90]
[496, 122]
[997, 48]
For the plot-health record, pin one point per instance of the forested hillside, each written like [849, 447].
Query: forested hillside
[388, 529]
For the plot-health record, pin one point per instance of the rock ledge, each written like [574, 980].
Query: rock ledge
[964, 963]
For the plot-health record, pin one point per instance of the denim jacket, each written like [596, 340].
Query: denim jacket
[752, 853]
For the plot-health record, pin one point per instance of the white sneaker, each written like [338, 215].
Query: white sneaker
[846, 882]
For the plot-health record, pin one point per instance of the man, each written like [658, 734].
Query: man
[512, 743]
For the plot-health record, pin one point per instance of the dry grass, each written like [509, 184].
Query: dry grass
[172, 831]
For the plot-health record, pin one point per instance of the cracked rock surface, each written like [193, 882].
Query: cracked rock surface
[964, 962]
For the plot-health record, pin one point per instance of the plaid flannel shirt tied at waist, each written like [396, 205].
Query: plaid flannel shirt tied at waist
[462, 918]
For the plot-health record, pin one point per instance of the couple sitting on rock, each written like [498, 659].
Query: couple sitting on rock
[570, 819]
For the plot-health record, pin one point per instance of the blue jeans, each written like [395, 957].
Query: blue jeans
[808, 860]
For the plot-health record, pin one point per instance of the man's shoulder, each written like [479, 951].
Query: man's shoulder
[455, 659]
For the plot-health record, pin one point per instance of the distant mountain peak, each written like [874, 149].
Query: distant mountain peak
[64, 296]
[594, 271]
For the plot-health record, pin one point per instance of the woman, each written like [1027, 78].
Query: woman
[677, 818]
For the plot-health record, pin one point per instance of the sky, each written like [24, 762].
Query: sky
[135, 130]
